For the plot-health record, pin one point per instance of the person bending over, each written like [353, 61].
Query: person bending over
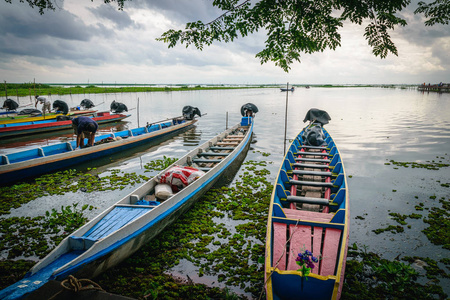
[45, 103]
[84, 127]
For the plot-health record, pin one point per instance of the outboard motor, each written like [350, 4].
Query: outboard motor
[313, 133]
[30, 111]
[10, 104]
[63, 118]
[86, 103]
[189, 112]
[61, 106]
[248, 112]
[117, 107]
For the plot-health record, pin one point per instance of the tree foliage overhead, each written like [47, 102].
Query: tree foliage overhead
[303, 26]
[438, 12]
[295, 26]
[49, 5]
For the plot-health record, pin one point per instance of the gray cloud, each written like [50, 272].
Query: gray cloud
[121, 19]
[180, 11]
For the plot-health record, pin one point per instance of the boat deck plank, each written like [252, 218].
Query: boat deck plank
[300, 241]
[321, 242]
[330, 251]
[116, 219]
[279, 255]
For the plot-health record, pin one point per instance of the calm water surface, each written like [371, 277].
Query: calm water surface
[370, 126]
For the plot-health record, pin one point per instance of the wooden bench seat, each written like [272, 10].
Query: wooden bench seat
[308, 215]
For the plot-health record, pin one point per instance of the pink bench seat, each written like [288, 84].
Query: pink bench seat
[322, 242]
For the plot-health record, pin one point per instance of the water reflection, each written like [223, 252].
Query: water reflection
[371, 126]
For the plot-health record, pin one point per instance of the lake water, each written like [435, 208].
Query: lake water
[371, 126]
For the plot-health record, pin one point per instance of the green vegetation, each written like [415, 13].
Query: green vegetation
[368, 276]
[222, 236]
[26, 89]
[432, 165]
[438, 231]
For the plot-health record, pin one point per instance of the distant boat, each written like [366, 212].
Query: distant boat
[307, 87]
[137, 218]
[287, 89]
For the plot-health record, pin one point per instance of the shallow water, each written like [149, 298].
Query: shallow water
[369, 125]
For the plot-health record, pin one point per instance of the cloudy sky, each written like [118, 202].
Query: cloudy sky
[84, 41]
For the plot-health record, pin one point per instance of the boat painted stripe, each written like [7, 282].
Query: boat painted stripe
[72, 269]
[85, 154]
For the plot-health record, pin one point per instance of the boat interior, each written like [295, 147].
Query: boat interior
[309, 207]
[203, 159]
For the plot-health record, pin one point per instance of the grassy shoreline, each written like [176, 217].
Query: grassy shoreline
[30, 89]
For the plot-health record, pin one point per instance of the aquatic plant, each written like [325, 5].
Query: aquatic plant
[438, 220]
[63, 182]
[368, 276]
[159, 164]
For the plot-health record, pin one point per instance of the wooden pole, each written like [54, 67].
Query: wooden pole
[226, 122]
[6, 90]
[285, 118]
[138, 112]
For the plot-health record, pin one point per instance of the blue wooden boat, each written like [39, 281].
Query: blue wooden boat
[31, 163]
[134, 220]
[309, 211]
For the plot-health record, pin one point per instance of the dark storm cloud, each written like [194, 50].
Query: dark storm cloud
[27, 23]
[54, 35]
[121, 19]
[180, 11]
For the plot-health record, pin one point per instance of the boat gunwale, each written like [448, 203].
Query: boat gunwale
[39, 161]
[343, 243]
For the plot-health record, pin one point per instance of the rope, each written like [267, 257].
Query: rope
[75, 285]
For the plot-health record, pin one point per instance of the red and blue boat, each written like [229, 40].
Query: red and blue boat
[34, 162]
[308, 223]
[26, 128]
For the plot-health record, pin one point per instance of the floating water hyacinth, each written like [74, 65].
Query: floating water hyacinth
[306, 261]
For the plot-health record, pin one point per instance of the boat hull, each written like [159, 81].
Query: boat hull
[18, 129]
[108, 239]
[32, 168]
[299, 223]
[50, 116]
[99, 265]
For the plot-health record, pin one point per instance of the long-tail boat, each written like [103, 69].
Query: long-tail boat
[308, 222]
[134, 220]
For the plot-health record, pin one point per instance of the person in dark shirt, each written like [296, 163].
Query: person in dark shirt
[84, 127]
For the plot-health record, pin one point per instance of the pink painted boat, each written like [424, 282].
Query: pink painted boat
[308, 219]
[26, 128]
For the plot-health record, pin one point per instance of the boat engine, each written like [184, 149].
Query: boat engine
[86, 103]
[61, 106]
[117, 107]
[189, 112]
[249, 110]
[313, 133]
[10, 104]
[30, 111]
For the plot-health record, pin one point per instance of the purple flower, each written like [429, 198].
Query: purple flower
[307, 252]
[314, 259]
